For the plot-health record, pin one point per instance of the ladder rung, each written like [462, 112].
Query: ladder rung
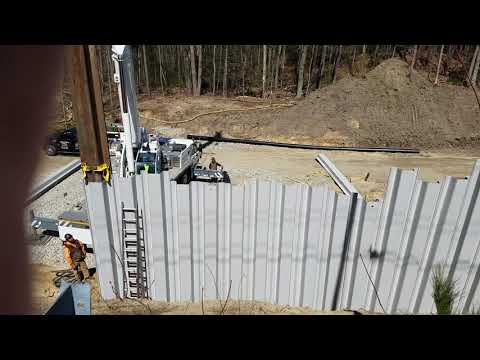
[129, 209]
[129, 221]
[133, 264]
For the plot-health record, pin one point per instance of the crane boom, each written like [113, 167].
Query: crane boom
[122, 59]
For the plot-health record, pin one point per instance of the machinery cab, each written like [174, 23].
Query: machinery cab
[149, 157]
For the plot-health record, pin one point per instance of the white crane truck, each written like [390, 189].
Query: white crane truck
[136, 151]
[132, 151]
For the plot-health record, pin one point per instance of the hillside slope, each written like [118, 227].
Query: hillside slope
[386, 108]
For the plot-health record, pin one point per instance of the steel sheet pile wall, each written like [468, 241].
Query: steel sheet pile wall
[283, 243]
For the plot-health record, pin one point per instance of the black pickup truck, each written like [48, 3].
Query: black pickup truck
[63, 142]
[66, 141]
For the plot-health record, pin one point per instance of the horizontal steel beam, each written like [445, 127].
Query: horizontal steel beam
[303, 146]
[54, 180]
[340, 179]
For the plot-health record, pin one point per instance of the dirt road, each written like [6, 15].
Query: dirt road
[248, 162]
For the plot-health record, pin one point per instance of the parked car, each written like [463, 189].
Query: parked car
[63, 142]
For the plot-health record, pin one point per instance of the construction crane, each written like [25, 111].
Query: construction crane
[137, 151]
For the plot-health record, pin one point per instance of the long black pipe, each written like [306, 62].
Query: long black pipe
[302, 146]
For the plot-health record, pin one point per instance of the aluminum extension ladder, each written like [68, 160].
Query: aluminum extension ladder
[135, 269]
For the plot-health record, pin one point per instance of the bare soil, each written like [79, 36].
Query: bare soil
[45, 292]
[385, 108]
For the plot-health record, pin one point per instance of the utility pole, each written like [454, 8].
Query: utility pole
[88, 112]
[94, 153]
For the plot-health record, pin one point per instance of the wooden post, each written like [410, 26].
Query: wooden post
[88, 110]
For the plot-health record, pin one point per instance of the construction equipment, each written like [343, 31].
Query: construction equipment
[137, 151]
[74, 222]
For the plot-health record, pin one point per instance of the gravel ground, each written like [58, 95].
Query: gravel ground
[61, 198]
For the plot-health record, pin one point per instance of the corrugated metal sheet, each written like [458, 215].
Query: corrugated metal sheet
[284, 243]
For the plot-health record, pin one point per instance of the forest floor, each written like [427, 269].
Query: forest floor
[385, 108]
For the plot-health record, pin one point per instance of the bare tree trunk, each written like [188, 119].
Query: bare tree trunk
[187, 73]
[137, 73]
[312, 56]
[271, 67]
[225, 70]
[475, 69]
[214, 70]
[161, 70]
[179, 71]
[219, 77]
[194, 72]
[353, 57]
[283, 65]
[322, 65]
[199, 80]
[364, 49]
[412, 64]
[330, 54]
[264, 74]
[393, 52]
[243, 59]
[145, 69]
[277, 65]
[301, 67]
[472, 63]
[375, 53]
[438, 66]
[337, 60]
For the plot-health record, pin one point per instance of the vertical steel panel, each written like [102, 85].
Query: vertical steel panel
[338, 238]
[301, 233]
[382, 235]
[368, 236]
[444, 239]
[224, 228]
[413, 256]
[277, 241]
[351, 267]
[261, 243]
[406, 245]
[171, 256]
[116, 221]
[184, 241]
[283, 244]
[434, 232]
[313, 246]
[102, 237]
[211, 242]
[156, 235]
[286, 246]
[391, 242]
[237, 238]
[330, 209]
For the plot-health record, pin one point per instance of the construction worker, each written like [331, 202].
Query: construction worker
[214, 165]
[75, 253]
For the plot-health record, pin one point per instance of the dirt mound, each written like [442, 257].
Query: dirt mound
[386, 107]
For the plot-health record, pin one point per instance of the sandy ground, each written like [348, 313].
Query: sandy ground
[246, 162]
[45, 282]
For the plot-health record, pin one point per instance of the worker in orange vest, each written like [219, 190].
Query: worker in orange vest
[75, 253]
